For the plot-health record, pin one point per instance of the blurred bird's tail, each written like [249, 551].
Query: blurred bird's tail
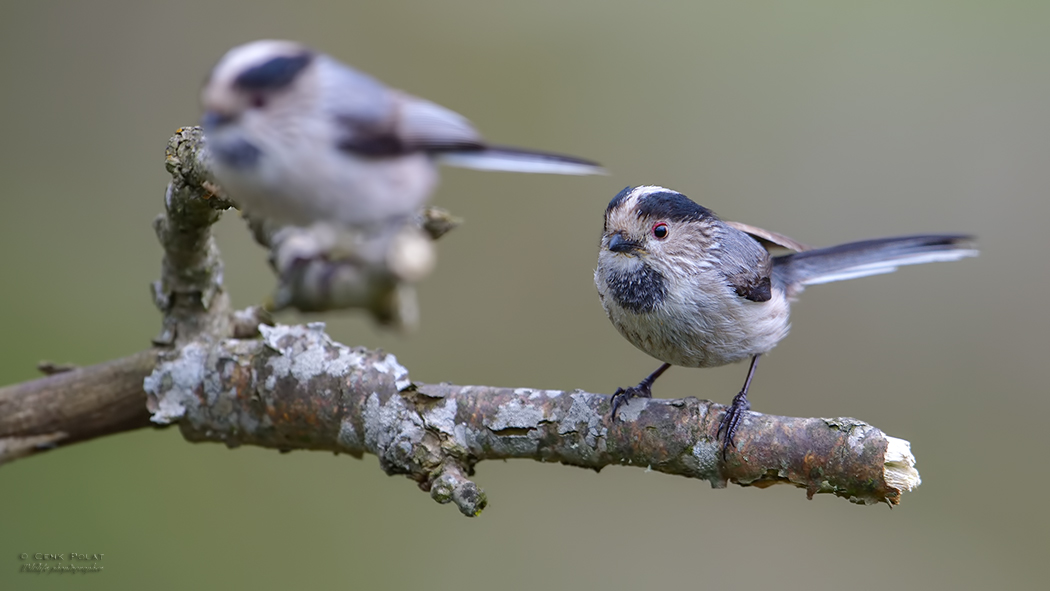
[519, 160]
[868, 257]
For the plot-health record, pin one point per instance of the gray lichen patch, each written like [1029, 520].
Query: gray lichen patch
[513, 431]
[389, 365]
[584, 419]
[844, 423]
[306, 353]
[632, 409]
[394, 432]
[348, 436]
[706, 457]
[534, 394]
[859, 436]
[515, 415]
[435, 391]
[173, 385]
[442, 417]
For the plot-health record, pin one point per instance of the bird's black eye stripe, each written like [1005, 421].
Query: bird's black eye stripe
[273, 74]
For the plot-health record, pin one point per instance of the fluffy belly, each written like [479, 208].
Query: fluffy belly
[304, 187]
[705, 334]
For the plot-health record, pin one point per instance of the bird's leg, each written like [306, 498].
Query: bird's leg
[731, 418]
[644, 389]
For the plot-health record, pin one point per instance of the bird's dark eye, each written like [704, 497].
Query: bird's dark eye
[660, 230]
[258, 101]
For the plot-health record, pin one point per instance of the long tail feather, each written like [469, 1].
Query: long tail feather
[519, 160]
[869, 257]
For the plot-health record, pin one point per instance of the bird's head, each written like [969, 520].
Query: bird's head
[655, 226]
[254, 78]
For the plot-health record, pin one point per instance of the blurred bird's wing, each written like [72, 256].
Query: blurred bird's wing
[417, 125]
[408, 124]
[390, 123]
[428, 126]
[770, 239]
[452, 140]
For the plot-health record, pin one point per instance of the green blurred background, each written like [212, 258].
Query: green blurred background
[823, 121]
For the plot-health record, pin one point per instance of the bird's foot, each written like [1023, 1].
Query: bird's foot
[731, 420]
[623, 396]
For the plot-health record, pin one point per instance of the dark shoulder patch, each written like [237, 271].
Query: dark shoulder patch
[756, 292]
[669, 205]
[745, 264]
[375, 146]
[274, 74]
[380, 138]
[369, 137]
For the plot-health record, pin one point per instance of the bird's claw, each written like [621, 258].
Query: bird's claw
[731, 420]
[623, 396]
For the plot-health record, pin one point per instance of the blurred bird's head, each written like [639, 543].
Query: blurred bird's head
[254, 79]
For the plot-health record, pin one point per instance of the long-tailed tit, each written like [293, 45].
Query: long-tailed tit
[299, 137]
[692, 290]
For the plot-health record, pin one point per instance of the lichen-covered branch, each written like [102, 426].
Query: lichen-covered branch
[298, 389]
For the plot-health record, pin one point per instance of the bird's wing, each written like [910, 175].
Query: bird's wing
[429, 126]
[770, 239]
[411, 124]
[408, 124]
[450, 137]
[745, 264]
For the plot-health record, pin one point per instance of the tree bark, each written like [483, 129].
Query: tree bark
[75, 405]
[295, 388]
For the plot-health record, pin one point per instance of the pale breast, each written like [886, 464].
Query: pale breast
[699, 327]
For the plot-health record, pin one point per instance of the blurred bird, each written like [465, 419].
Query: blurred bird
[299, 137]
[690, 289]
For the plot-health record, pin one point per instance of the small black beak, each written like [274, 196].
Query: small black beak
[619, 243]
[215, 119]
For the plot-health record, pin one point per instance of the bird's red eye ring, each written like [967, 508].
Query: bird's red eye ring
[660, 230]
[258, 101]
